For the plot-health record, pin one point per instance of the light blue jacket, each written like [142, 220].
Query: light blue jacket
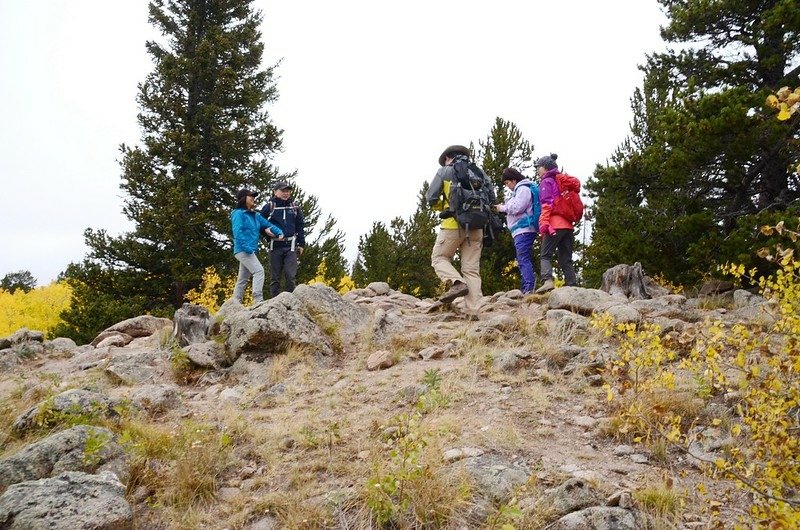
[523, 208]
[246, 226]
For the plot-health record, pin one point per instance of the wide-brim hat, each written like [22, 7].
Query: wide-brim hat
[453, 149]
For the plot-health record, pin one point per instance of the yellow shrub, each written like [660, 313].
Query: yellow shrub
[37, 309]
[214, 290]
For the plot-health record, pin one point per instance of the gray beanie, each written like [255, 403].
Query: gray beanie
[547, 162]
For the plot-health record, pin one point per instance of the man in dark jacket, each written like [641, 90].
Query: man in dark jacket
[285, 213]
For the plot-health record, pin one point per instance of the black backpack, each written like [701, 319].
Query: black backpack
[469, 198]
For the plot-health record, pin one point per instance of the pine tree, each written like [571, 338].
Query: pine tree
[414, 239]
[376, 259]
[18, 280]
[205, 134]
[703, 161]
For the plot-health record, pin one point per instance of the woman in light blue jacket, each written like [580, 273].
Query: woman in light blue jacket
[246, 224]
[522, 208]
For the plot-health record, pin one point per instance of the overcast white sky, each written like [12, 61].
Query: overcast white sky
[370, 94]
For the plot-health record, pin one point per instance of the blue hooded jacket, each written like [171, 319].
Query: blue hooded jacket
[246, 226]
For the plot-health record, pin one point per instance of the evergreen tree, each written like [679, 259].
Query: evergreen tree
[504, 147]
[205, 134]
[376, 259]
[414, 240]
[703, 163]
[18, 280]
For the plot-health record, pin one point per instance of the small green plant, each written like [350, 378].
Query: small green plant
[180, 364]
[96, 441]
[309, 437]
[48, 417]
[432, 378]
[505, 517]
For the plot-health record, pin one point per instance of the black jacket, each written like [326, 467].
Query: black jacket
[289, 217]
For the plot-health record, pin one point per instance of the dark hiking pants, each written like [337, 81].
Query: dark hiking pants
[560, 244]
[282, 263]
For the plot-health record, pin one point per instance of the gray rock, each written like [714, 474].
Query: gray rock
[624, 314]
[273, 326]
[380, 360]
[742, 298]
[496, 478]
[26, 335]
[597, 518]
[580, 300]
[714, 287]
[379, 288]
[573, 495]
[134, 367]
[66, 451]
[29, 350]
[63, 344]
[141, 326]
[69, 501]
[9, 360]
[74, 401]
[321, 300]
[561, 322]
[119, 339]
[209, 354]
[156, 399]
[505, 361]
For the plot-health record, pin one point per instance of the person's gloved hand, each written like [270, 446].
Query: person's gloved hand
[547, 229]
[445, 214]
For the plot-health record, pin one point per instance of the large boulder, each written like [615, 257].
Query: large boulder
[141, 326]
[272, 327]
[72, 402]
[209, 354]
[582, 301]
[66, 502]
[136, 365]
[81, 448]
[328, 308]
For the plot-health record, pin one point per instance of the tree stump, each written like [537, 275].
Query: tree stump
[627, 280]
[191, 324]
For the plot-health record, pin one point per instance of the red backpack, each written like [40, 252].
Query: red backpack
[568, 202]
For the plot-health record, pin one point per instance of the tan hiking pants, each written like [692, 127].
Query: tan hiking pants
[469, 245]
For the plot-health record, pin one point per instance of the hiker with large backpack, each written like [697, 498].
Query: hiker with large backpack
[282, 211]
[522, 209]
[463, 195]
[561, 209]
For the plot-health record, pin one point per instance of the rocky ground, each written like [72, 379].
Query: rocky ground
[314, 410]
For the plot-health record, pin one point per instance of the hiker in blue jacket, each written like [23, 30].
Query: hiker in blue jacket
[246, 225]
[283, 254]
[522, 208]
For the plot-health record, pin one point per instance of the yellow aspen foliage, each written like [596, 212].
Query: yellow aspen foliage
[38, 309]
[344, 285]
[214, 290]
[758, 364]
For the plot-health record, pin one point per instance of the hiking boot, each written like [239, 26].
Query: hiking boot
[456, 290]
[546, 287]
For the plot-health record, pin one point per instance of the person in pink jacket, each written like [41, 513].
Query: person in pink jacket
[558, 235]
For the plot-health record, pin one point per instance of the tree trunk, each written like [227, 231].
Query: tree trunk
[191, 324]
[627, 280]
